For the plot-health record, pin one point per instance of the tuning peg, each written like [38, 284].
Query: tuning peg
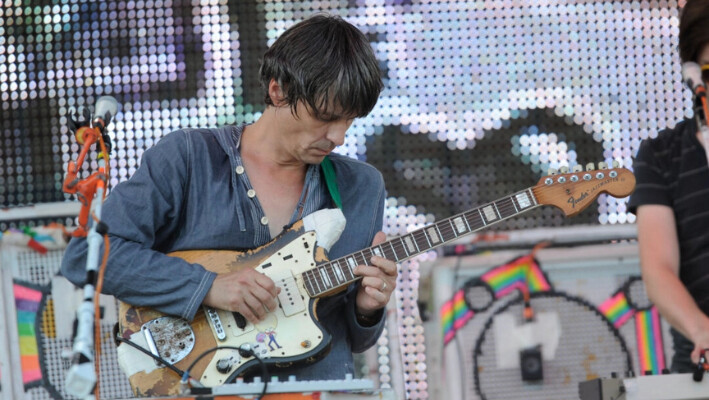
[551, 171]
[577, 168]
[564, 169]
[616, 164]
[602, 165]
[590, 167]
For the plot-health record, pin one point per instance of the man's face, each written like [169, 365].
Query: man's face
[309, 139]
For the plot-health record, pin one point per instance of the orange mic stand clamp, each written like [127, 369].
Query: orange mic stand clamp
[84, 189]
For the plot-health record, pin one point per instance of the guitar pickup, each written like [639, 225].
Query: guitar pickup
[289, 298]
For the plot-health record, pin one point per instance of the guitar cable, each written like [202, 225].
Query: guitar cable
[185, 376]
[244, 352]
[159, 359]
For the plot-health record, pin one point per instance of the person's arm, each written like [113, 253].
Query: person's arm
[144, 213]
[659, 260]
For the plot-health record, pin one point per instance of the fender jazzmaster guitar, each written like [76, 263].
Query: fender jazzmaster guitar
[297, 262]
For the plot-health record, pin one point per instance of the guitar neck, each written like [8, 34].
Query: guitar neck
[333, 275]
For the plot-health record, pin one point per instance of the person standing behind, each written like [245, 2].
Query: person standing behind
[671, 202]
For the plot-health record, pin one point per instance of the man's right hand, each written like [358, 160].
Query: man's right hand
[247, 291]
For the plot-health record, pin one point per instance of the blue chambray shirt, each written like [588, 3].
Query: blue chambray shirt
[190, 192]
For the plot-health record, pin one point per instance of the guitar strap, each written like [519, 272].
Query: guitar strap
[330, 181]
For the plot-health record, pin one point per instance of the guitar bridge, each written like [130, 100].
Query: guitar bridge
[215, 322]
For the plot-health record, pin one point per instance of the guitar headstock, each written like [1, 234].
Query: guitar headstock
[574, 191]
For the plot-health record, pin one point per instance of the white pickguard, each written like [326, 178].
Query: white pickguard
[287, 332]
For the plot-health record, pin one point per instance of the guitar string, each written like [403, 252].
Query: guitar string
[505, 207]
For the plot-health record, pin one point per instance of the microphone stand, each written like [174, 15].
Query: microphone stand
[81, 380]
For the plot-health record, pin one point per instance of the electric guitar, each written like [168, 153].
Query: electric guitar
[297, 262]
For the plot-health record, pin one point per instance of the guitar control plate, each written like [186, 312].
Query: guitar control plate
[169, 338]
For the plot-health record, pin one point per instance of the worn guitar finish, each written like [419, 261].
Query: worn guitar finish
[298, 265]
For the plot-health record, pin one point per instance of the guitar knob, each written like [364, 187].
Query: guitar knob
[590, 167]
[246, 351]
[616, 164]
[602, 165]
[224, 365]
[564, 169]
[577, 168]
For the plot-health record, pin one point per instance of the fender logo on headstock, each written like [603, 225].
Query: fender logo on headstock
[574, 201]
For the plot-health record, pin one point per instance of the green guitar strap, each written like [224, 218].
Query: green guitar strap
[329, 172]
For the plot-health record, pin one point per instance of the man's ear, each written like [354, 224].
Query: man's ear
[275, 92]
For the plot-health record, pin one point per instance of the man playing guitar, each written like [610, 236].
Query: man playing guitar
[237, 187]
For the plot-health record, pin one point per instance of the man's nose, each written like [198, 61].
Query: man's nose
[336, 134]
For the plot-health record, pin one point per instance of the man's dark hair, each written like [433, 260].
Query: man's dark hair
[328, 64]
[693, 29]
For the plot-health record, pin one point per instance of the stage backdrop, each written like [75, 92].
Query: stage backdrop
[480, 97]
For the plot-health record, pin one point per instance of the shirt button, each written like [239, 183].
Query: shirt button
[251, 193]
[264, 221]
[240, 170]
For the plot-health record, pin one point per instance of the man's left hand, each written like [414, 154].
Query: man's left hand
[378, 282]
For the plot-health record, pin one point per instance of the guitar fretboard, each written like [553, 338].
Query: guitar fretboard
[340, 272]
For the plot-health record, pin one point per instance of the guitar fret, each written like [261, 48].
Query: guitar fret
[450, 221]
[338, 274]
[435, 235]
[531, 195]
[378, 251]
[347, 272]
[476, 220]
[426, 245]
[401, 245]
[509, 211]
[489, 211]
[449, 230]
[411, 246]
[461, 224]
[387, 254]
[393, 250]
[481, 217]
[494, 203]
[325, 278]
[332, 275]
[351, 264]
[367, 257]
[315, 279]
[404, 245]
[308, 282]
[512, 199]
